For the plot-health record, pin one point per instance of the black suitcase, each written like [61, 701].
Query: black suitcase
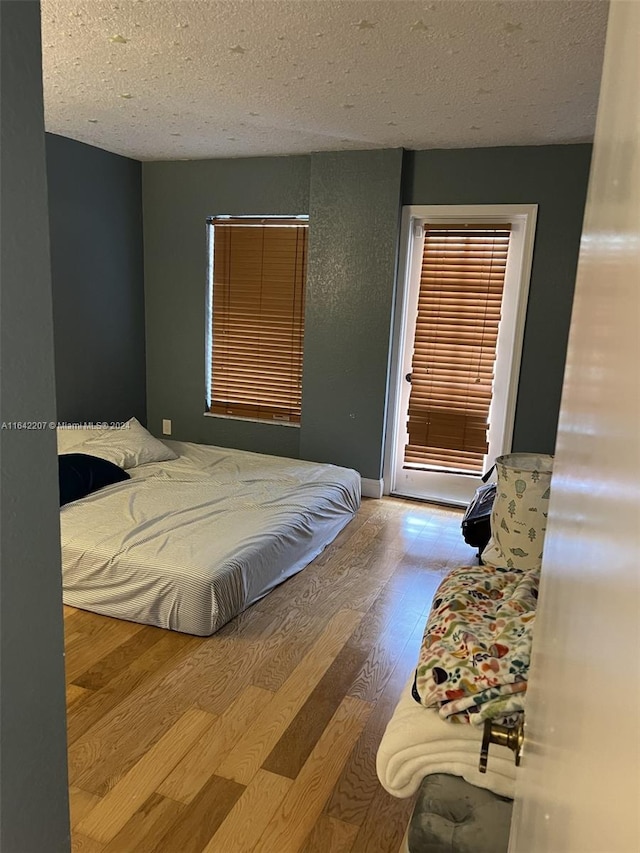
[476, 522]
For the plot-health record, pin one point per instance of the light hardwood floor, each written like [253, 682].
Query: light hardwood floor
[262, 737]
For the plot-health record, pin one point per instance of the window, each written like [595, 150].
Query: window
[258, 268]
[459, 304]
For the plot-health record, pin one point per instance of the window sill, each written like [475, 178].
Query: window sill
[251, 420]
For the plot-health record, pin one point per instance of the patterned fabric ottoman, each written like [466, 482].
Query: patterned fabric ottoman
[452, 816]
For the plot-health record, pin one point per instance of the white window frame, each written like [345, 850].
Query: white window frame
[510, 335]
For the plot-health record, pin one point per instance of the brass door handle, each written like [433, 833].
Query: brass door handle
[509, 736]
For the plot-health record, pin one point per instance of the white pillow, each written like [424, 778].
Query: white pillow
[71, 436]
[129, 446]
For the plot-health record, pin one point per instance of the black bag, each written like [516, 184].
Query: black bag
[476, 522]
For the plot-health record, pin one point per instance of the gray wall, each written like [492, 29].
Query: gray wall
[554, 177]
[353, 221]
[33, 778]
[95, 220]
[177, 199]
[353, 199]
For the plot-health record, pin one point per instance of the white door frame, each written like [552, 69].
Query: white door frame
[456, 489]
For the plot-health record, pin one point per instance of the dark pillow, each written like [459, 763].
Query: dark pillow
[80, 474]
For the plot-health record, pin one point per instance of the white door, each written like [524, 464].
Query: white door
[450, 473]
[579, 783]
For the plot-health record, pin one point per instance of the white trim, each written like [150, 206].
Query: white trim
[523, 219]
[251, 420]
[397, 350]
[371, 488]
[404, 847]
[448, 489]
[208, 311]
[514, 307]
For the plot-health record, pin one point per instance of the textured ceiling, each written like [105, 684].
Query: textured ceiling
[156, 80]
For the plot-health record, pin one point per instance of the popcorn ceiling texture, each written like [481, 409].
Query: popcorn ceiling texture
[194, 79]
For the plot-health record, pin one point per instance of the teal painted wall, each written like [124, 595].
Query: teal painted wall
[354, 220]
[34, 815]
[95, 225]
[555, 178]
[353, 200]
[177, 198]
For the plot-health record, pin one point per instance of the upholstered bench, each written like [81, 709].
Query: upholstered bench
[452, 816]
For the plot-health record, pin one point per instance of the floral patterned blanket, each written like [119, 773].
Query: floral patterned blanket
[474, 660]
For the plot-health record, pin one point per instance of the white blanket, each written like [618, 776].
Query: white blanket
[189, 543]
[418, 743]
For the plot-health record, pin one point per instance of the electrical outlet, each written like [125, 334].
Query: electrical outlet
[166, 427]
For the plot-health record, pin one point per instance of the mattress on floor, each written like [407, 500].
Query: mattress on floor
[190, 543]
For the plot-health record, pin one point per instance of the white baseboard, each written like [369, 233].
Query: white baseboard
[371, 488]
[405, 843]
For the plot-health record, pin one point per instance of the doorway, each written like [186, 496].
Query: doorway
[461, 306]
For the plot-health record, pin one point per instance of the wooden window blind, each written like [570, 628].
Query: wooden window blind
[259, 275]
[459, 305]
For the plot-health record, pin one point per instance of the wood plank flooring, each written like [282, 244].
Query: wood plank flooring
[262, 737]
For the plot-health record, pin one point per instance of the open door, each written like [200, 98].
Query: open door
[579, 783]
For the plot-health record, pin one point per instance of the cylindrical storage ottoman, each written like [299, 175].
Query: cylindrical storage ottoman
[519, 515]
